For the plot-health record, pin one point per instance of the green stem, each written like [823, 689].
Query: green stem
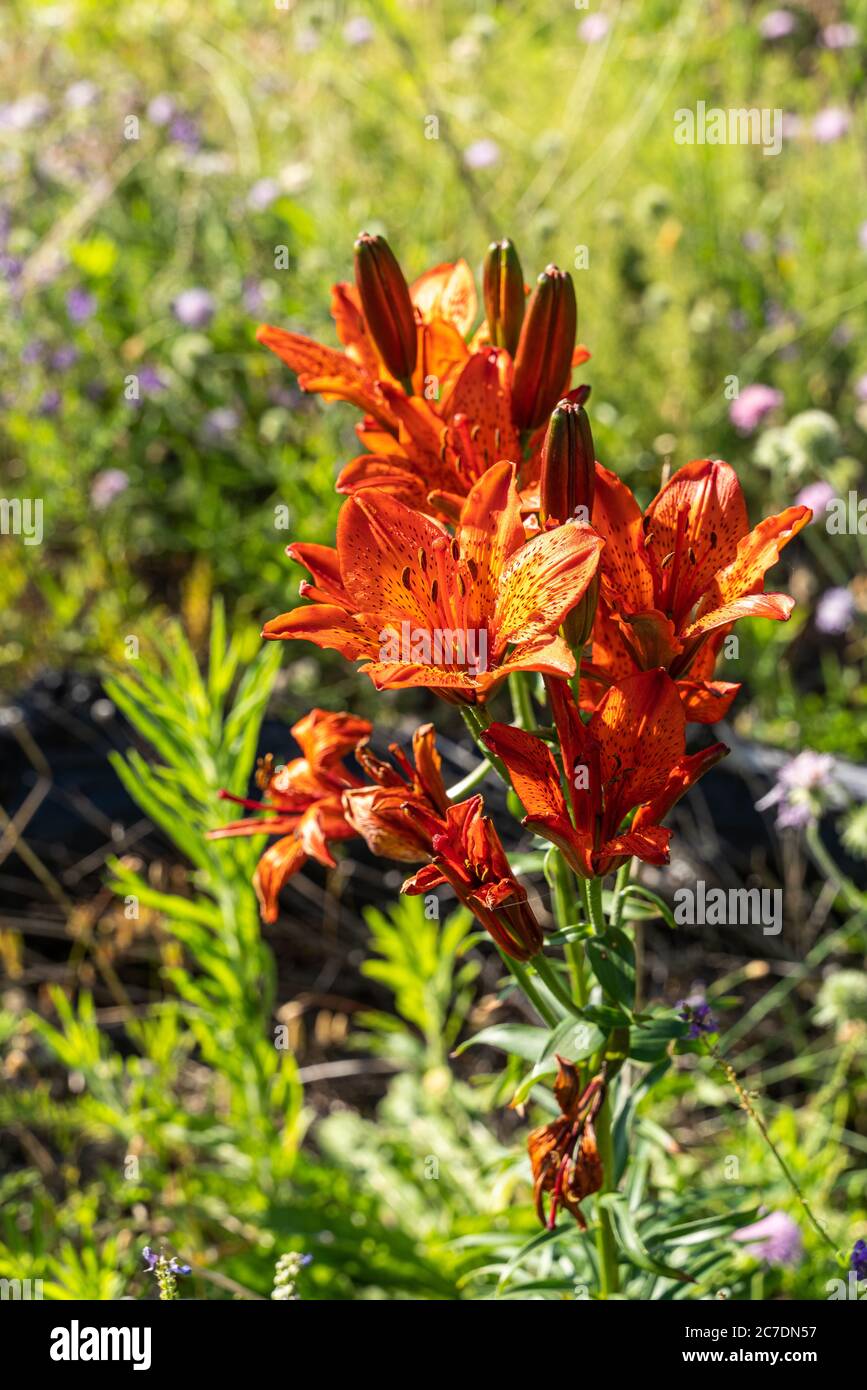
[477, 723]
[621, 883]
[565, 909]
[854, 900]
[606, 1245]
[747, 1105]
[472, 779]
[522, 976]
[546, 971]
[595, 910]
[522, 700]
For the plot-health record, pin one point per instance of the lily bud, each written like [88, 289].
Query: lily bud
[386, 304]
[545, 348]
[567, 483]
[503, 286]
[568, 475]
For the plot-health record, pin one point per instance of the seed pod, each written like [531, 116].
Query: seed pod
[545, 348]
[503, 286]
[386, 305]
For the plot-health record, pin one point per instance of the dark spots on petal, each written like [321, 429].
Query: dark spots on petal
[405, 578]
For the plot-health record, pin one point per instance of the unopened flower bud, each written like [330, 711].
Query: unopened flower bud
[566, 488]
[386, 305]
[503, 285]
[544, 356]
[568, 475]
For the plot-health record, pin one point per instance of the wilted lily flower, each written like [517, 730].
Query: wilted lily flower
[563, 1154]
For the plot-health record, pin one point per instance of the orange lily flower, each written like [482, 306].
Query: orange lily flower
[674, 580]
[563, 1154]
[303, 802]
[454, 613]
[468, 854]
[315, 800]
[379, 813]
[630, 755]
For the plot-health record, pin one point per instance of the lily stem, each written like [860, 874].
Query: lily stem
[522, 978]
[477, 723]
[606, 1245]
[565, 909]
[522, 700]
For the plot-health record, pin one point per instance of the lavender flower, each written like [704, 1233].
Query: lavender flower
[49, 404]
[11, 267]
[831, 124]
[263, 194]
[774, 1240]
[358, 30]
[80, 305]
[161, 109]
[777, 24]
[858, 1262]
[81, 94]
[220, 424]
[840, 36]
[816, 496]
[835, 611]
[594, 28]
[194, 308]
[482, 154]
[107, 485]
[183, 130]
[64, 358]
[699, 1018]
[752, 406]
[805, 786]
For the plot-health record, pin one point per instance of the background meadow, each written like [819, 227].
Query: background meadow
[171, 175]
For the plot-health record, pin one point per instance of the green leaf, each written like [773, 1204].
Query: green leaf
[612, 957]
[649, 1041]
[519, 1039]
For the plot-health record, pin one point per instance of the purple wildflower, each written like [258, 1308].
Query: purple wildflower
[358, 30]
[252, 296]
[150, 1257]
[774, 1240]
[835, 611]
[64, 358]
[804, 786]
[594, 28]
[699, 1018]
[107, 485]
[49, 404]
[183, 130]
[816, 496]
[858, 1260]
[150, 382]
[831, 124]
[839, 36]
[777, 24]
[11, 267]
[32, 353]
[219, 424]
[80, 305]
[81, 94]
[161, 109]
[194, 308]
[751, 407]
[263, 193]
[482, 154]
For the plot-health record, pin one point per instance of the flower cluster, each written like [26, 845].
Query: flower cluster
[480, 540]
